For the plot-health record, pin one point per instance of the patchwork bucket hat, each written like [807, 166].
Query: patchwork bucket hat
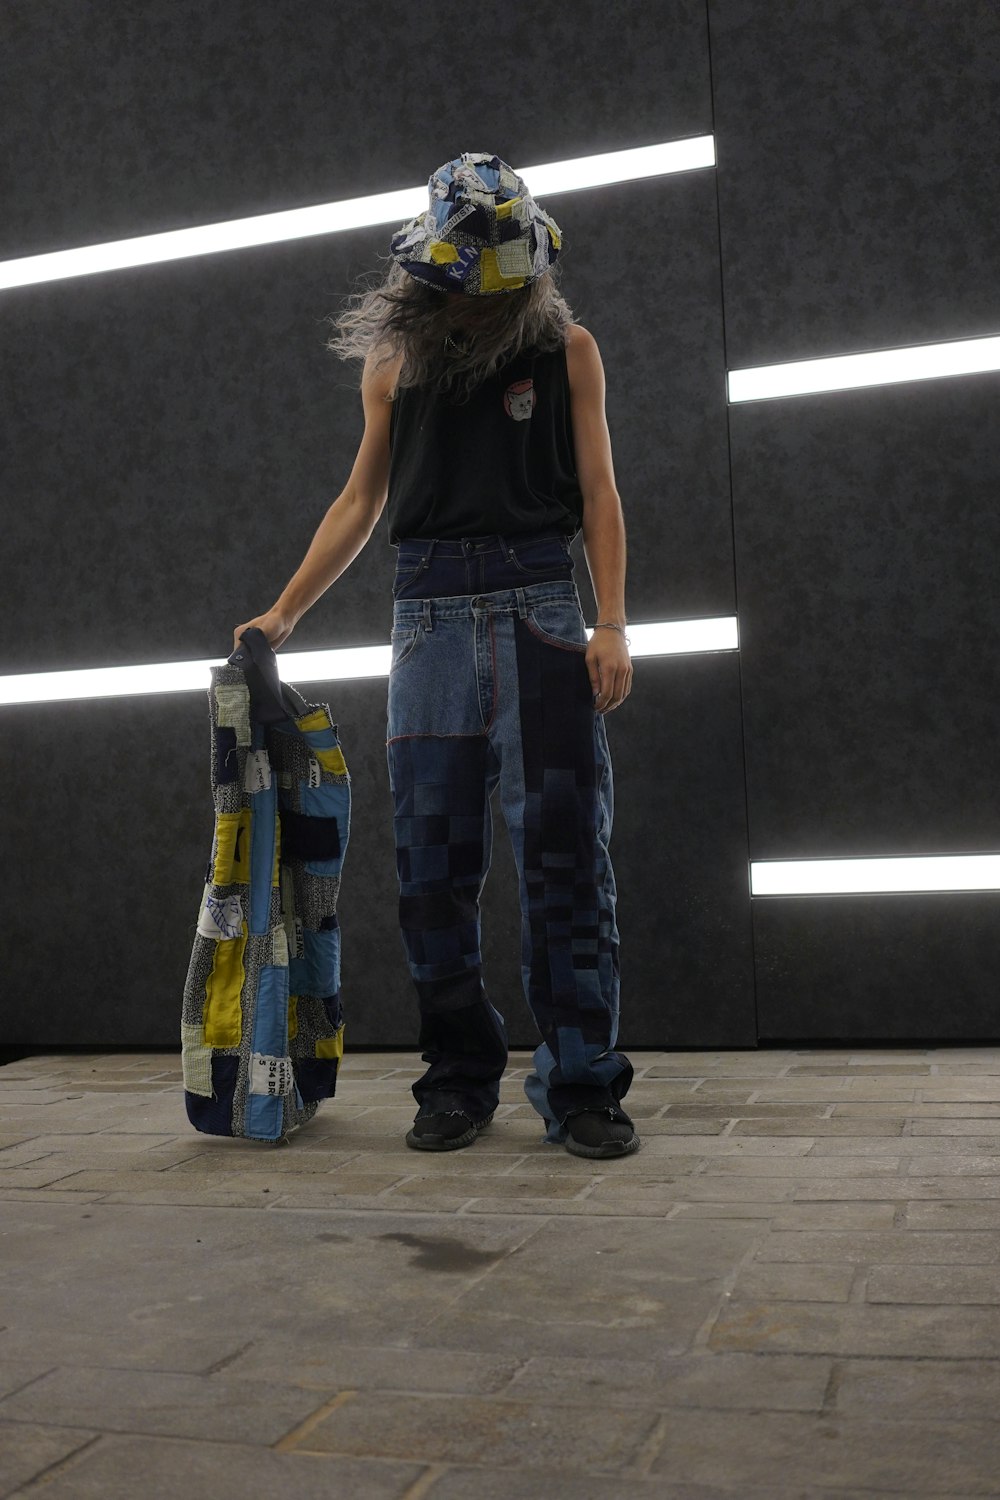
[483, 232]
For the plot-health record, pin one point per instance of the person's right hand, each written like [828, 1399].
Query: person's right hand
[276, 625]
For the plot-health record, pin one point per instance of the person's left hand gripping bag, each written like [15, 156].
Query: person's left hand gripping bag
[262, 1022]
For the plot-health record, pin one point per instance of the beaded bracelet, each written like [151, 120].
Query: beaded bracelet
[607, 625]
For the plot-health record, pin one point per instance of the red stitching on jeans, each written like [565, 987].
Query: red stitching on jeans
[430, 734]
[559, 645]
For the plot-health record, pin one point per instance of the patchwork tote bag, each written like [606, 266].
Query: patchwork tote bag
[261, 1021]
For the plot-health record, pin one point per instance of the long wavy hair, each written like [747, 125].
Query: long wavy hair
[450, 343]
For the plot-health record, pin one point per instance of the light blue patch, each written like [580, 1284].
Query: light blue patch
[264, 1116]
[270, 1026]
[263, 805]
[536, 1087]
[317, 972]
[328, 800]
[331, 799]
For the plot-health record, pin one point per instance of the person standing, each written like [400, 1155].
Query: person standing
[486, 440]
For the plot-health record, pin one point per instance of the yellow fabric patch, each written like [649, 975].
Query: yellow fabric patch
[196, 1061]
[318, 719]
[331, 1046]
[554, 237]
[490, 277]
[442, 253]
[504, 210]
[332, 760]
[293, 1016]
[223, 1022]
[232, 848]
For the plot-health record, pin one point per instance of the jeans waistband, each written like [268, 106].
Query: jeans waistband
[475, 546]
[517, 601]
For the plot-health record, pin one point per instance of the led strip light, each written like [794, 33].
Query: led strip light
[846, 372]
[354, 213]
[662, 638]
[842, 877]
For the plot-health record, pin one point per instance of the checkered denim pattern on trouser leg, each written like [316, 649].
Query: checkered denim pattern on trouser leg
[494, 688]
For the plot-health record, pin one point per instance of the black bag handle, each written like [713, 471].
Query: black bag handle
[271, 700]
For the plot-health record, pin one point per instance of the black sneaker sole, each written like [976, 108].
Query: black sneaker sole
[437, 1143]
[609, 1148]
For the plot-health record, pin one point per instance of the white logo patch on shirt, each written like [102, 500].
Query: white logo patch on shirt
[519, 400]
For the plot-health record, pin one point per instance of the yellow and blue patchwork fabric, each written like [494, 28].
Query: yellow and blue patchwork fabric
[482, 233]
[262, 1019]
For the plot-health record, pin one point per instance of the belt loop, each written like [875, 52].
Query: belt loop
[429, 546]
[505, 548]
[522, 607]
[428, 622]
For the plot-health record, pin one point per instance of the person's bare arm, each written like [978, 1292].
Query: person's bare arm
[350, 520]
[608, 660]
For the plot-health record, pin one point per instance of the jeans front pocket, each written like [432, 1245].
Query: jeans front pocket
[541, 557]
[408, 570]
[558, 622]
[404, 640]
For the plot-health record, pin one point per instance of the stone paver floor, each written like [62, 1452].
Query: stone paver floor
[792, 1290]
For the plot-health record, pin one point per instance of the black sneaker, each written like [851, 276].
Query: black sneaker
[599, 1132]
[445, 1132]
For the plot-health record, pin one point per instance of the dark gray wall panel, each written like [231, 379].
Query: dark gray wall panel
[857, 187]
[662, 348]
[680, 855]
[859, 167]
[127, 119]
[867, 534]
[177, 433]
[878, 967]
[856, 206]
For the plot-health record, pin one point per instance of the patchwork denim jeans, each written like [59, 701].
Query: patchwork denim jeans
[488, 686]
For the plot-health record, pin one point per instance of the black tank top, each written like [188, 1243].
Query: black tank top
[501, 463]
